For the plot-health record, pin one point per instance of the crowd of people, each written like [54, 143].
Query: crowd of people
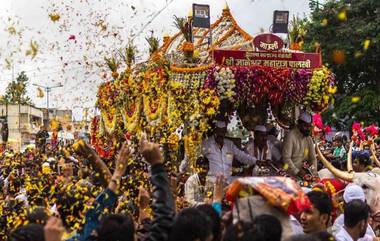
[69, 193]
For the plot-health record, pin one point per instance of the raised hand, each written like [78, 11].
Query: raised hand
[218, 189]
[84, 150]
[122, 160]
[150, 151]
[121, 165]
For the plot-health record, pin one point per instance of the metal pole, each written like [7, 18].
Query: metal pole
[47, 90]
[47, 104]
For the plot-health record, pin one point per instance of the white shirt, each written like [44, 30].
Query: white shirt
[22, 196]
[338, 226]
[272, 152]
[220, 160]
[195, 193]
[343, 235]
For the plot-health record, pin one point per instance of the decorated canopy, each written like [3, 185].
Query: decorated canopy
[178, 91]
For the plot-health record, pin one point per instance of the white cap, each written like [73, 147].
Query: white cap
[45, 164]
[50, 159]
[260, 128]
[221, 124]
[353, 192]
[306, 117]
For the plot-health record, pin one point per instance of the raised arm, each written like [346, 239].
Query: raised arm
[85, 151]
[243, 157]
[106, 199]
[163, 201]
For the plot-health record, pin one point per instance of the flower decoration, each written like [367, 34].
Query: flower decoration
[226, 83]
[317, 96]
[357, 133]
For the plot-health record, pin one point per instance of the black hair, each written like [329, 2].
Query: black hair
[268, 227]
[263, 228]
[364, 158]
[38, 216]
[116, 227]
[238, 231]
[202, 161]
[215, 220]
[354, 212]
[29, 232]
[191, 224]
[321, 201]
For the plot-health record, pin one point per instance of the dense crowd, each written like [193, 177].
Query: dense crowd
[67, 192]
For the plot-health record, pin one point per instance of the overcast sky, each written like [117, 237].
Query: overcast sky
[70, 49]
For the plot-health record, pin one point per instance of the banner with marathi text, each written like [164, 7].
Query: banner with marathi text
[269, 59]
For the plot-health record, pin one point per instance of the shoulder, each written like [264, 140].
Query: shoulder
[208, 141]
[191, 180]
[228, 142]
[342, 235]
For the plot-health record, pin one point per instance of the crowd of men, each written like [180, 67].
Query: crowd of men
[70, 193]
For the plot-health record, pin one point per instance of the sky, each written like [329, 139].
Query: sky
[71, 50]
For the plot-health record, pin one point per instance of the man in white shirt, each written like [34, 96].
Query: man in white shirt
[220, 152]
[263, 150]
[356, 215]
[352, 192]
[196, 187]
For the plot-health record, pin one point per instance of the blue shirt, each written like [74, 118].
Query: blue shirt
[105, 200]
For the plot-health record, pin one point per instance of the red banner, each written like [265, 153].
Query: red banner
[270, 59]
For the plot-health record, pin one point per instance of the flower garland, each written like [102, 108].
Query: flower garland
[226, 83]
[298, 87]
[317, 96]
[257, 83]
[154, 109]
[155, 98]
[109, 121]
[131, 115]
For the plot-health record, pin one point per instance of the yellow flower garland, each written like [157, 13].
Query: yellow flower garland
[131, 122]
[174, 68]
[109, 124]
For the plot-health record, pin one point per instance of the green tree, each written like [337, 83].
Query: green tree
[16, 90]
[348, 33]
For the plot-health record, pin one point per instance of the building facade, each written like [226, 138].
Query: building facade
[24, 122]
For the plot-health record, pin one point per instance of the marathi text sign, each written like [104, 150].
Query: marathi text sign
[270, 59]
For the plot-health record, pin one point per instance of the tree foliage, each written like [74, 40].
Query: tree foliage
[16, 90]
[348, 32]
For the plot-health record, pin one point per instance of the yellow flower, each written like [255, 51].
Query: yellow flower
[211, 111]
[207, 100]
[176, 84]
[332, 90]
